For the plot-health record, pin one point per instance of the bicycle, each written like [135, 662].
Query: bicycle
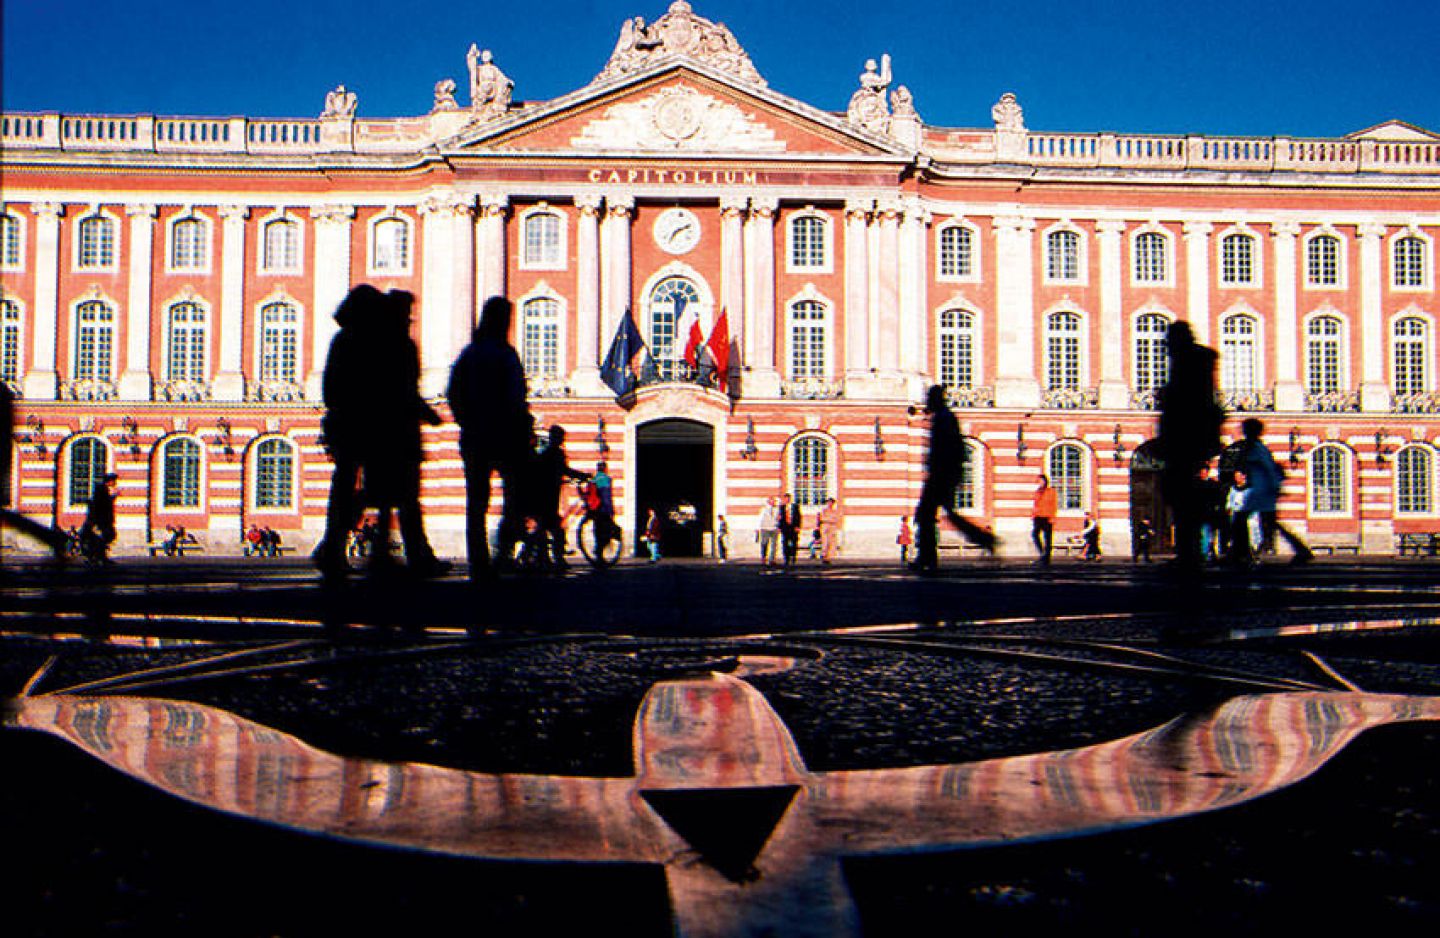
[598, 535]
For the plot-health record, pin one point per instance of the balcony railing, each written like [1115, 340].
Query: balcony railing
[970, 397]
[811, 389]
[1421, 402]
[1333, 402]
[549, 387]
[182, 391]
[1148, 399]
[1246, 401]
[88, 389]
[1070, 398]
[277, 392]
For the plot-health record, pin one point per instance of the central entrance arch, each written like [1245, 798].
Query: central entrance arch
[675, 475]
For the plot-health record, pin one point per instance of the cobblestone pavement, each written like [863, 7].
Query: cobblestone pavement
[990, 661]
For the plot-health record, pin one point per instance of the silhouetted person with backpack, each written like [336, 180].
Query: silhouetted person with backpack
[392, 463]
[350, 403]
[1262, 492]
[944, 464]
[487, 395]
[1189, 436]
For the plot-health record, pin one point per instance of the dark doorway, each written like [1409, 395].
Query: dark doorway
[675, 475]
[1146, 499]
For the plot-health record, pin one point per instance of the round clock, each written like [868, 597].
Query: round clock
[677, 230]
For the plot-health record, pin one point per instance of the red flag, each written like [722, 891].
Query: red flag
[719, 347]
[693, 341]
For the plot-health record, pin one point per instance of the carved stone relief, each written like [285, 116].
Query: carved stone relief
[679, 32]
[677, 118]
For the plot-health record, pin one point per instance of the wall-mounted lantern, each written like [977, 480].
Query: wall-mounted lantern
[36, 436]
[131, 436]
[1295, 452]
[1382, 451]
[226, 445]
[1119, 446]
[1020, 447]
[879, 441]
[601, 443]
[750, 450]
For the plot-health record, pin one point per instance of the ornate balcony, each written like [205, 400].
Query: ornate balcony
[1250, 401]
[811, 389]
[277, 392]
[970, 397]
[88, 389]
[1070, 398]
[182, 391]
[1333, 402]
[1145, 400]
[1423, 402]
[677, 372]
[549, 387]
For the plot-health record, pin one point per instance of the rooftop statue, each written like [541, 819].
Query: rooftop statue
[678, 32]
[339, 104]
[490, 88]
[445, 95]
[1008, 115]
[869, 108]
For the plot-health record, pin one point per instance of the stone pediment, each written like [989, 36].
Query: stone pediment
[1395, 131]
[676, 106]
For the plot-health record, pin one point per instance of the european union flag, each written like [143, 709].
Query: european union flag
[628, 362]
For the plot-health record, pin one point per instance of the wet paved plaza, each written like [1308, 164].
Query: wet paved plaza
[230, 749]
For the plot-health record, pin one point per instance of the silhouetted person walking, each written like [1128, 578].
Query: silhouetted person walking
[53, 538]
[1189, 435]
[1043, 509]
[552, 468]
[98, 531]
[1262, 493]
[487, 395]
[395, 452]
[790, 524]
[350, 397]
[944, 464]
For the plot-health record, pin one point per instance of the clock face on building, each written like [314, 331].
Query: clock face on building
[677, 230]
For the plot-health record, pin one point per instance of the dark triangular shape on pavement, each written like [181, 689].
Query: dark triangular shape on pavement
[728, 827]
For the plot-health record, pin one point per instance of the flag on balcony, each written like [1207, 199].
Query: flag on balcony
[718, 347]
[687, 323]
[628, 363]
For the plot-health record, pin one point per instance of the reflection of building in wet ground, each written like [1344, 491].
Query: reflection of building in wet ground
[169, 281]
[748, 835]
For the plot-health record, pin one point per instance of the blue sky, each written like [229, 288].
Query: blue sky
[1262, 67]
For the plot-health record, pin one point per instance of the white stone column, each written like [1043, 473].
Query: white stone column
[1114, 389]
[136, 380]
[886, 354]
[331, 277]
[463, 312]
[490, 251]
[1197, 281]
[615, 272]
[1289, 392]
[230, 379]
[857, 295]
[762, 379]
[446, 290]
[1374, 391]
[732, 269]
[41, 377]
[1016, 381]
[591, 343]
[914, 318]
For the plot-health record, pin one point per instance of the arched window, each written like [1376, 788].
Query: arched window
[541, 240]
[94, 341]
[957, 252]
[668, 302]
[809, 325]
[97, 242]
[1237, 260]
[10, 324]
[281, 246]
[1414, 481]
[1408, 261]
[279, 343]
[1062, 255]
[89, 458]
[540, 337]
[1066, 462]
[185, 343]
[274, 475]
[807, 242]
[11, 241]
[810, 470]
[956, 346]
[187, 244]
[1322, 354]
[391, 246]
[180, 474]
[1238, 353]
[1152, 367]
[1329, 480]
[1412, 355]
[1151, 262]
[1322, 261]
[1062, 351]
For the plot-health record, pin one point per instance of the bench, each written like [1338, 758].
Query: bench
[178, 549]
[1417, 543]
[278, 551]
[1335, 545]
